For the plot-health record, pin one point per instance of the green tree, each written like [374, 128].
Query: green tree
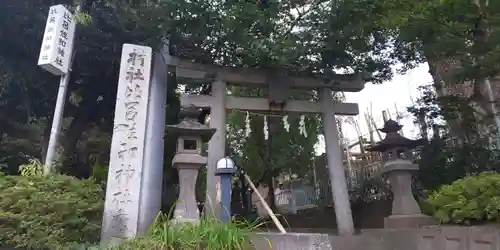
[93, 81]
[458, 40]
[443, 160]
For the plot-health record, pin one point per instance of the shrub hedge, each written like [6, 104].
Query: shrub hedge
[470, 200]
[51, 212]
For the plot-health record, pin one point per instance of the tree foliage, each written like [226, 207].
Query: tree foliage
[284, 150]
[440, 30]
[459, 41]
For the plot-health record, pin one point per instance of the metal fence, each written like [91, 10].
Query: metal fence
[293, 199]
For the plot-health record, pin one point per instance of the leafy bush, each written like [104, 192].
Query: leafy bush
[472, 199]
[208, 234]
[100, 174]
[33, 168]
[367, 188]
[51, 212]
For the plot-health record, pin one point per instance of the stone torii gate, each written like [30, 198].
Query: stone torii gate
[279, 90]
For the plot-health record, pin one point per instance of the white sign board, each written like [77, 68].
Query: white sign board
[121, 208]
[57, 43]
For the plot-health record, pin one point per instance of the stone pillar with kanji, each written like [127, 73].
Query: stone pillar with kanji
[398, 168]
[188, 160]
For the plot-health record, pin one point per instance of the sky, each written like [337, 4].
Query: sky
[396, 94]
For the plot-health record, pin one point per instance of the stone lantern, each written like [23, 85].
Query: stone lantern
[188, 160]
[398, 167]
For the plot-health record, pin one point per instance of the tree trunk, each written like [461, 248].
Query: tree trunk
[244, 193]
[70, 142]
[272, 128]
[482, 87]
[271, 197]
[73, 134]
[437, 69]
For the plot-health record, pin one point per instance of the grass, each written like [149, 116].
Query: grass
[209, 234]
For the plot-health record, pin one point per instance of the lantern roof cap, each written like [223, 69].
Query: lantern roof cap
[190, 126]
[393, 139]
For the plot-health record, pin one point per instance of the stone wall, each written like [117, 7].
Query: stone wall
[429, 238]
[439, 238]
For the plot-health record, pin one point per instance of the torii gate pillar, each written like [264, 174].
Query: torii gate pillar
[345, 225]
[217, 145]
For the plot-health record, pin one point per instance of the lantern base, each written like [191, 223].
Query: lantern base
[186, 209]
[408, 221]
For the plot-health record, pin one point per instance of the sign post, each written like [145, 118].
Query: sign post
[56, 57]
